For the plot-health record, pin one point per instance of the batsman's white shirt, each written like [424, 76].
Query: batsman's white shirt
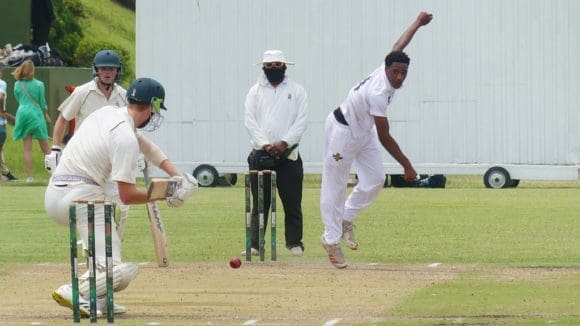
[353, 145]
[87, 98]
[274, 114]
[105, 147]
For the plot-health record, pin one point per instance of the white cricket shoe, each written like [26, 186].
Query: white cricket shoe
[63, 296]
[102, 306]
[335, 254]
[253, 251]
[348, 237]
[296, 251]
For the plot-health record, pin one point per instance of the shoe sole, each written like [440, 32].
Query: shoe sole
[68, 304]
[355, 247]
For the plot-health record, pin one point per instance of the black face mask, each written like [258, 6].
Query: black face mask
[274, 76]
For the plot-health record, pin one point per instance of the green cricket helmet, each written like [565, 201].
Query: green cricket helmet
[107, 58]
[148, 91]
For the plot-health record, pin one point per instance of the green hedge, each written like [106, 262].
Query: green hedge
[66, 32]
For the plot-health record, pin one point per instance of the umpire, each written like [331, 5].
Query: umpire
[276, 117]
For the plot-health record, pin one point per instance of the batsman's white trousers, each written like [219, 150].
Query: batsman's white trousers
[57, 200]
[342, 152]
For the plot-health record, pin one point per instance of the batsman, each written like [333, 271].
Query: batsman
[106, 147]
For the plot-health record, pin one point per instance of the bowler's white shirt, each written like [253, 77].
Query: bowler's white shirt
[105, 147]
[274, 114]
[370, 97]
[87, 98]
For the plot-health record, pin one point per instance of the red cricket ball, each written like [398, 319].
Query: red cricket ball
[235, 262]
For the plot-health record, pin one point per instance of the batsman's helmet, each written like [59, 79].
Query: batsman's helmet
[107, 58]
[149, 91]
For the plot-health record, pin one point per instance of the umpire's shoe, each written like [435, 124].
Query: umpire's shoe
[63, 296]
[254, 251]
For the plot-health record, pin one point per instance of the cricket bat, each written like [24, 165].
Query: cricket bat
[156, 223]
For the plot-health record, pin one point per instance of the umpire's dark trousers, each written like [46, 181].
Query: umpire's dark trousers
[289, 177]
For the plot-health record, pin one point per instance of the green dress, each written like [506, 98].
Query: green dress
[29, 116]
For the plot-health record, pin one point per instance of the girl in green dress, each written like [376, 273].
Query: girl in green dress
[31, 115]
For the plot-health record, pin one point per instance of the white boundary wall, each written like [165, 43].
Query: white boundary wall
[493, 82]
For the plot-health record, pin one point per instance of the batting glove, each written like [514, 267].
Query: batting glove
[188, 186]
[51, 160]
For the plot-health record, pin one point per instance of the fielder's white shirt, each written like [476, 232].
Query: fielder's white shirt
[368, 98]
[105, 147]
[274, 114]
[87, 98]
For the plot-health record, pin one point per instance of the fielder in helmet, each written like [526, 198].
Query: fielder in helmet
[107, 67]
[105, 150]
[85, 99]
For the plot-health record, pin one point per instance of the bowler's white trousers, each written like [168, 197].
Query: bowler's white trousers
[342, 152]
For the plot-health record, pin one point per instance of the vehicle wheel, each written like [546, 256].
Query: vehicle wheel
[206, 175]
[231, 178]
[496, 178]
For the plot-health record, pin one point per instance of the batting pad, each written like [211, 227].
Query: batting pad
[123, 274]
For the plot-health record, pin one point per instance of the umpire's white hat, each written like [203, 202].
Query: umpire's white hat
[275, 56]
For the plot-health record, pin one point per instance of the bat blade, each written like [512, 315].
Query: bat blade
[158, 234]
[156, 224]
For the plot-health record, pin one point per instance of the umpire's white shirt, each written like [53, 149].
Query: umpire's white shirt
[104, 147]
[274, 114]
[87, 98]
[369, 98]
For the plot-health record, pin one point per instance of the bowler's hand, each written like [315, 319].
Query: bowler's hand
[424, 18]
[410, 174]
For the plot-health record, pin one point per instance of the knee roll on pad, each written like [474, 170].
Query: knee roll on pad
[123, 274]
[128, 272]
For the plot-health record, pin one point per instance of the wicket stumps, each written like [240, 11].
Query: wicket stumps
[261, 212]
[109, 212]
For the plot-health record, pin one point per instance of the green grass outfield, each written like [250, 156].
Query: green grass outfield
[531, 227]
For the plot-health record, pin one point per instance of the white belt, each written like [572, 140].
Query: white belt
[73, 178]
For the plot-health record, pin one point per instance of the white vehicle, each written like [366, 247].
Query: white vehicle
[493, 86]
